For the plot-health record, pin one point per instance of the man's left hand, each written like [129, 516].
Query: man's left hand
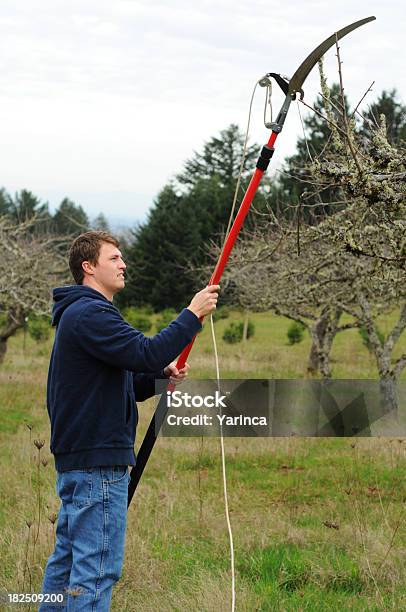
[176, 376]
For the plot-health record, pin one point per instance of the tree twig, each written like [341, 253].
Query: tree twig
[345, 118]
[359, 103]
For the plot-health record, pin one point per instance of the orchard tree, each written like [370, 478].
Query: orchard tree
[30, 266]
[352, 261]
[372, 231]
[296, 186]
[268, 273]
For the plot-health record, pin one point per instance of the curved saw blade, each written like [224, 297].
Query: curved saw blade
[296, 82]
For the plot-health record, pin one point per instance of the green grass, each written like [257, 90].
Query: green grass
[285, 496]
[291, 568]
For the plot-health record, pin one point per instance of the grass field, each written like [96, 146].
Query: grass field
[318, 524]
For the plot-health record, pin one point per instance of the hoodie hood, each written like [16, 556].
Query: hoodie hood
[65, 296]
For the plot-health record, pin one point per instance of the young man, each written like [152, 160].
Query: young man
[100, 366]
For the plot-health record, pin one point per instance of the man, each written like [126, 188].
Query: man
[100, 366]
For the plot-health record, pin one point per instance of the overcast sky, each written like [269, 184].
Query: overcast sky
[102, 101]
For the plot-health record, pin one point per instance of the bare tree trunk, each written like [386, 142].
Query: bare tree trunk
[389, 397]
[9, 330]
[330, 334]
[313, 363]
[323, 333]
[388, 372]
[317, 332]
[387, 380]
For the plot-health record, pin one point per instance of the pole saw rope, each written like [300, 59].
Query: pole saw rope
[223, 468]
[216, 358]
[244, 153]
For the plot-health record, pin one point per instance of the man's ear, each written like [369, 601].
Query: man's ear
[88, 267]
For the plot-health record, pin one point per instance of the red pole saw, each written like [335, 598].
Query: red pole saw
[290, 88]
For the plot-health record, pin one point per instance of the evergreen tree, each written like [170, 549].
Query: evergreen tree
[26, 205]
[100, 223]
[221, 157]
[395, 114]
[160, 252]
[70, 219]
[6, 203]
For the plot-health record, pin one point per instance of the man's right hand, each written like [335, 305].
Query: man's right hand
[205, 301]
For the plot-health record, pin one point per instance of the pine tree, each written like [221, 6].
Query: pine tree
[25, 206]
[6, 203]
[70, 218]
[101, 223]
[221, 157]
[395, 114]
[160, 252]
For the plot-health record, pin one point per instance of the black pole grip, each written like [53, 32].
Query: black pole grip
[265, 157]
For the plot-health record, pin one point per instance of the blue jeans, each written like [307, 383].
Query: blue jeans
[90, 538]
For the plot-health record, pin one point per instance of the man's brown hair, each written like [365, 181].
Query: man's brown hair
[86, 247]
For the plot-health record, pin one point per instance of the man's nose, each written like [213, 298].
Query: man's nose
[122, 265]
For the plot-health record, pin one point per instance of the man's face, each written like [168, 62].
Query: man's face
[108, 273]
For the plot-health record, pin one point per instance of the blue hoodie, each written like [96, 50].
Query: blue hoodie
[99, 367]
